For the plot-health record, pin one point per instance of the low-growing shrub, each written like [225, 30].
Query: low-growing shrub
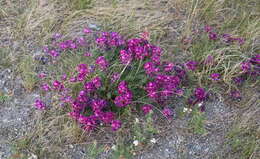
[99, 80]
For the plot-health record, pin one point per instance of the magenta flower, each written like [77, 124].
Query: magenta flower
[54, 53]
[74, 115]
[246, 66]
[227, 38]
[45, 49]
[150, 68]
[215, 76]
[89, 87]
[107, 117]
[39, 104]
[45, 87]
[200, 93]
[213, 36]
[87, 30]
[42, 75]
[57, 85]
[82, 97]
[81, 76]
[168, 67]
[146, 108]
[191, 65]
[255, 59]
[115, 77]
[179, 92]
[122, 87]
[102, 62]
[87, 54]
[238, 80]
[168, 113]
[151, 86]
[125, 97]
[73, 79]
[116, 124]
[153, 95]
[56, 36]
[240, 41]
[97, 82]
[125, 57]
[122, 101]
[89, 123]
[81, 41]
[64, 77]
[82, 68]
[207, 28]
[209, 60]
[235, 94]
[98, 104]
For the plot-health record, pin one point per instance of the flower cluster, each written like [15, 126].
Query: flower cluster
[124, 73]
[110, 39]
[39, 104]
[227, 38]
[125, 95]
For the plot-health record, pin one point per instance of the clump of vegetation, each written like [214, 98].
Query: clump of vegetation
[112, 74]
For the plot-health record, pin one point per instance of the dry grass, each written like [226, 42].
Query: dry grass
[167, 22]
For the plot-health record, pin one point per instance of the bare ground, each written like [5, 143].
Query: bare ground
[17, 116]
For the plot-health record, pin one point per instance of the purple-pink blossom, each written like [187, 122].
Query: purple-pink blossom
[147, 108]
[213, 36]
[191, 65]
[125, 57]
[200, 93]
[215, 76]
[45, 87]
[39, 104]
[42, 75]
[87, 30]
[246, 66]
[207, 28]
[116, 124]
[167, 112]
[102, 62]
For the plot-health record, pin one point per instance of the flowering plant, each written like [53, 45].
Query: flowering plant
[124, 74]
[115, 74]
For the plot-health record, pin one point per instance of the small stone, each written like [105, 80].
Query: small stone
[71, 146]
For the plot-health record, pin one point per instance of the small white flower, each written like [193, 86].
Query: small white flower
[185, 109]
[153, 140]
[33, 157]
[137, 120]
[136, 142]
[113, 147]
[200, 104]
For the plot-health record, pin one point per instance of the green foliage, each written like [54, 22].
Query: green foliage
[5, 60]
[94, 150]
[3, 98]
[243, 142]
[27, 69]
[82, 4]
[122, 151]
[197, 122]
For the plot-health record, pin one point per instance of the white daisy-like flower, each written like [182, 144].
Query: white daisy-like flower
[137, 120]
[185, 109]
[113, 147]
[200, 104]
[136, 142]
[153, 140]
